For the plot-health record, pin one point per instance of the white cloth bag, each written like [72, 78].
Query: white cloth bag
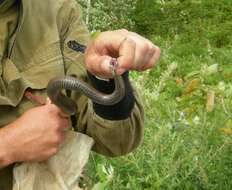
[60, 172]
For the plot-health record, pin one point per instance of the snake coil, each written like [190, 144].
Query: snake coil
[55, 87]
[66, 104]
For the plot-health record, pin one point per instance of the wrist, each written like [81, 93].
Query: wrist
[6, 155]
[5, 158]
[122, 109]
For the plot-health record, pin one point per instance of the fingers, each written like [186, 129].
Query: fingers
[56, 109]
[153, 59]
[146, 55]
[97, 59]
[100, 52]
[48, 101]
[99, 65]
[62, 122]
[127, 55]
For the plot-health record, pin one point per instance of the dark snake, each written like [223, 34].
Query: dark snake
[56, 87]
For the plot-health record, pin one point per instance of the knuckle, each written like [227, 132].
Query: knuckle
[57, 139]
[102, 35]
[140, 69]
[56, 124]
[53, 109]
[128, 62]
[123, 30]
[156, 50]
[151, 52]
[130, 41]
[66, 124]
[145, 49]
[151, 63]
[148, 66]
[89, 66]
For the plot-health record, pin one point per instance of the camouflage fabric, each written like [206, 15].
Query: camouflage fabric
[33, 49]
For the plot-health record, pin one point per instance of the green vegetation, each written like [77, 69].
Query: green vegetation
[187, 98]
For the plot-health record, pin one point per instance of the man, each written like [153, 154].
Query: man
[33, 49]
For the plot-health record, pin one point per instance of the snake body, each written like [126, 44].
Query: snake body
[67, 105]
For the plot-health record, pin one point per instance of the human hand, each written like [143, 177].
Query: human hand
[133, 52]
[35, 136]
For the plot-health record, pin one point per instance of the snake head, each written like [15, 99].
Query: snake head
[113, 65]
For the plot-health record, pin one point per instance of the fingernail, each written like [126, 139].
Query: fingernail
[48, 100]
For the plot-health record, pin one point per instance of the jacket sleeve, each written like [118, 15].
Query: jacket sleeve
[113, 137]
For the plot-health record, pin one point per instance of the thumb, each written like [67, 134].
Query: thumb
[61, 113]
[48, 101]
[99, 65]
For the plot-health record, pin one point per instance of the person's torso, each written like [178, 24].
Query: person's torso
[30, 57]
[33, 57]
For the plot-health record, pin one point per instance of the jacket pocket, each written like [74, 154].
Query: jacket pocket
[35, 77]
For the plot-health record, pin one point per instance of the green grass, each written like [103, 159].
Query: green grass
[185, 146]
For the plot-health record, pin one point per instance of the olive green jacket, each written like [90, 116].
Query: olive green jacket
[33, 49]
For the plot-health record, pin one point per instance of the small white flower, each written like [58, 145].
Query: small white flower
[196, 120]
[221, 86]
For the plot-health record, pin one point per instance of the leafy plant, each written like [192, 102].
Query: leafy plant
[187, 96]
[109, 14]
